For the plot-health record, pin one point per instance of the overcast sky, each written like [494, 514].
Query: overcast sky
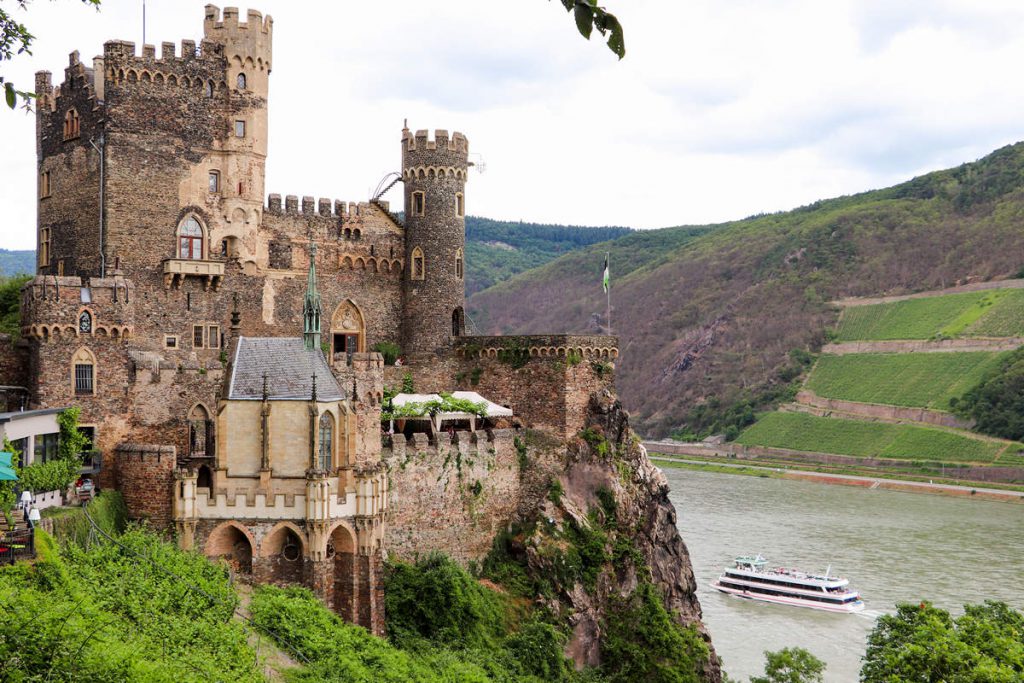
[721, 108]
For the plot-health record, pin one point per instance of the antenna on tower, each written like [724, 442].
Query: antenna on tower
[143, 23]
[478, 162]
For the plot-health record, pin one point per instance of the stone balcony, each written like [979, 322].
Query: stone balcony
[176, 270]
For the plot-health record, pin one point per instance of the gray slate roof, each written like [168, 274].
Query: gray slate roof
[289, 368]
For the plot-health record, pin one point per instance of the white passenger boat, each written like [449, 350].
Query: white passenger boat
[750, 577]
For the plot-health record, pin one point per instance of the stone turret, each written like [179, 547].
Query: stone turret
[434, 174]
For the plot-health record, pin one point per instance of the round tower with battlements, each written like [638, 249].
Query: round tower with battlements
[434, 174]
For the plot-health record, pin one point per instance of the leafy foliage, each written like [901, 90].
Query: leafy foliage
[445, 404]
[996, 403]
[438, 601]
[10, 304]
[104, 614]
[924, 643]
[643, 643]
[791, 665]
[15, 39]
[590, 16]
[390, 350]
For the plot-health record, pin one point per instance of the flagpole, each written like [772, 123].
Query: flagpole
[608, 292]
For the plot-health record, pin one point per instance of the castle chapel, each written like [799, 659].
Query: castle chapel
[220, 344]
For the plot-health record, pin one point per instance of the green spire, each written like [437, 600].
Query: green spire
[311, 306]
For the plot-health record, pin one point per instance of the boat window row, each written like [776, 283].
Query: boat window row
[816, 598]
[776, 582]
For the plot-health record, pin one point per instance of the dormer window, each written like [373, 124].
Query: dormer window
[241, 81]
[418, 203]
[71, 124]
[214, 182]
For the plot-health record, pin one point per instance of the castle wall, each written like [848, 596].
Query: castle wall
[451, 497]
[145, 477]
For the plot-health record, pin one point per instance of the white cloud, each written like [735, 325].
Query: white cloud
[721, 109]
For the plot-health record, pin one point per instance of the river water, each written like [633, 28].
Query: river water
[893, 546]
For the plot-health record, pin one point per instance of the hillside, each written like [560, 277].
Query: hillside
[17, 262]
[716, 325]
[497, 250]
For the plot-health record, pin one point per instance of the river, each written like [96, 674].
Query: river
[893, 546]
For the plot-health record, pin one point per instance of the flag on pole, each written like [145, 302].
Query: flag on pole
[605, 277]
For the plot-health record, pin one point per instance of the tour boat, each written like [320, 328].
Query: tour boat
[750, 577]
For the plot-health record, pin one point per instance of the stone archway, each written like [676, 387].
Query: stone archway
[341, 550]
[283, 555]
[232, 542]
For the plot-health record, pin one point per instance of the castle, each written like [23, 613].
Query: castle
[220, 346]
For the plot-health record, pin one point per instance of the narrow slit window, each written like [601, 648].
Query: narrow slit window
[44, 185]
[418, 264]
[326, 441]
[418, 203]
[241, 81]
[213, 337]
[44, 246]
[460, 205]
[458, 264]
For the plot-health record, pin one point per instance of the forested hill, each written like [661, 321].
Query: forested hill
[708, 322]
[17, 262]
[497, 250]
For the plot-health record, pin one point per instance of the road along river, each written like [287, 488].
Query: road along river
[893, 546]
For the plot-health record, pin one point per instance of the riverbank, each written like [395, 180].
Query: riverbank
[869, 482]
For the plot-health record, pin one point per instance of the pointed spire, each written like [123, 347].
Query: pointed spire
[313, 398]
[311, 306]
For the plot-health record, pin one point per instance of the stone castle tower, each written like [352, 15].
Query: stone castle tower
[434, 174]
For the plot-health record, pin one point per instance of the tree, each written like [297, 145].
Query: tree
[923, 643]
[791, 665]
[15, 39]
[589, 16]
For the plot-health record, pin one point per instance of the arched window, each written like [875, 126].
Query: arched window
[419, 265]
[209, 88]
[83, 372]
[200, 432]
[71, 124]
[348, 330]
[326, 441]
[241, 81]
[190, 239]
[458, 264]
[460, 205]
[458, 322]
[85, 322]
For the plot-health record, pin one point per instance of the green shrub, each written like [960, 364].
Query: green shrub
[390, 350]
[996, 403]
[537, 648]
[55, 475]
[642, 642]
[438, 601]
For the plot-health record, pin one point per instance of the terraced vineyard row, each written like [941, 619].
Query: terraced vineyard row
[801, 432]
[922, 380]
[991, 313]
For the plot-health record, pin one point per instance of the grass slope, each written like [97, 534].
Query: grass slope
[994, 313]
[923, 380]
[800, 432]
[707, 318]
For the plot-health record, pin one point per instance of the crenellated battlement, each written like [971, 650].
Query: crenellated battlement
[421, 141]
[310, 206]
[255, 21]
[78, 78]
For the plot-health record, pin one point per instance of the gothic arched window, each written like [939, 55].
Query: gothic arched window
[85, 322]
[190, 239]
[71, 124]
[200, 432]
[326, 441]
[241, 81]
[419, 266]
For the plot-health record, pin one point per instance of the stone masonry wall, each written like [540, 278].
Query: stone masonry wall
[145, 479]
[452, 497]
